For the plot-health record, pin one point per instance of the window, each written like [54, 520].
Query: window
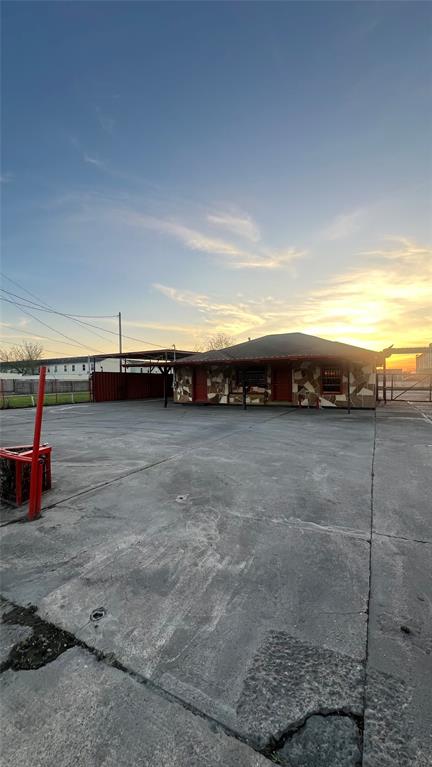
[332, 380]
[65, 368]
[83, 367]
[73, 368]
[55, 368]
[254, 377]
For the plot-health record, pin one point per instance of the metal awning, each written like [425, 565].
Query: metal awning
[152, 356]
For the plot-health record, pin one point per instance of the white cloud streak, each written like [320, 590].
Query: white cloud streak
[386, 300]
[234, 256]
[344, 225]
[242, 226]
[93, 161]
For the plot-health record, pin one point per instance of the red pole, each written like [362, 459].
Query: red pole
[35, 485]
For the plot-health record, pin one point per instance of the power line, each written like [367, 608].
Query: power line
[22, 288]
[44, 303]
[51, 310]
[76, 343]
[49, 338]
[71, 317]
[12, 343]
[39, 308]
[36, 336]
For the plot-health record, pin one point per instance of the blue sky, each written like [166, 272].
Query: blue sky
[203, 167]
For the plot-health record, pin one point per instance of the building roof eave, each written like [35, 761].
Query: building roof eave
[376, 357]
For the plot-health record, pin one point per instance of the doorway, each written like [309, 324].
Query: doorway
[282, 384]
[200, 385]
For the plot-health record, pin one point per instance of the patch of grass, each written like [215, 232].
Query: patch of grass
[25, 400]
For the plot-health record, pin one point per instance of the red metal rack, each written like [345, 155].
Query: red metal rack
[26, 469]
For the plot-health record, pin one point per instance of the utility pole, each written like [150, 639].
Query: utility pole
[120, 341]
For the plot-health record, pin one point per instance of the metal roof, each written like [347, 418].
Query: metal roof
[282, 346]
[142, 356]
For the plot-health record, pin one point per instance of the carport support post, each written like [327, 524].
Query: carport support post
[35, 474]
[120, 341]
[349, 389]
[166, 381]
[244, 395]
[385, 380]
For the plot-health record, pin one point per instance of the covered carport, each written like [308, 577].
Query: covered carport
[155, 379]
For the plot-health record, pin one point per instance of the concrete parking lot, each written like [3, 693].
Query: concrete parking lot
[209, 586]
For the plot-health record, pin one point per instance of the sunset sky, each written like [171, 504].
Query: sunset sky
[241, 167]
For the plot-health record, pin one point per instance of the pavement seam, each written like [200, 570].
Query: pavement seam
[366, 661]
[110, 660]
[401, 538]
[130, 473]
[55, 641]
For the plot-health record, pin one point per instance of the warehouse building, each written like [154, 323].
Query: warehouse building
[284, 369]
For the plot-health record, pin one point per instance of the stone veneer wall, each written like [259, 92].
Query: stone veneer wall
[183, 384]
[223, 389]
[307, 386]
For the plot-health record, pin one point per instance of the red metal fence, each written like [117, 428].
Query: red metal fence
[107, 387]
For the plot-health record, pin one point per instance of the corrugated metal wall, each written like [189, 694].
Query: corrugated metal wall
[107, 387]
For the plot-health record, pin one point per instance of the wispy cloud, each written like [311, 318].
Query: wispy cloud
[86, 156]
[93, 160]
[344, 225]
[242, 226]
[247, 250]
[220, 315]
[386, 299]
[235, 256]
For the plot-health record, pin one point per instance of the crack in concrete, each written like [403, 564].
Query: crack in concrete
[401, 538]
[275, 746]
[60, 641]
[48, 642]
[366, 661]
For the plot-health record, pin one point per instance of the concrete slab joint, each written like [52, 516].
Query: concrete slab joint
[229, 589]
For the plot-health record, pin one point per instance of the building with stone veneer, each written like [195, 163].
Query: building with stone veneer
[284, 369]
